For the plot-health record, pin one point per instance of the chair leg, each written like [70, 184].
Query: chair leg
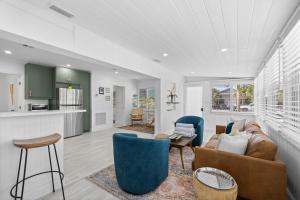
[53, 188]
[182, 163]
[24, 174]
[61, 180]
[20, 162]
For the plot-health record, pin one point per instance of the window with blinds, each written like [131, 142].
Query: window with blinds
[291, 80]
[278, 85]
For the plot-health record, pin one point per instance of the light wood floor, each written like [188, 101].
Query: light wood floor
[84, 155]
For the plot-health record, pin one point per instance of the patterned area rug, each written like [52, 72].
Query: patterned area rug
[139, 128]
[178, 185]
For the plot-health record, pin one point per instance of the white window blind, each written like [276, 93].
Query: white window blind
[260, 103]
[273, 93]
[291, 80]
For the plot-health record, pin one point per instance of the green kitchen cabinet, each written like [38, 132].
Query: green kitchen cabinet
[85, 85]
[66, 75]
[39, 82]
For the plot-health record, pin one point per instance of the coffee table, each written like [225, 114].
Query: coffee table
[183, 142]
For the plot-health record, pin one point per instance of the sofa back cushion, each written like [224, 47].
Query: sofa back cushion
[251, 123]
[213, 142]
[260, 146]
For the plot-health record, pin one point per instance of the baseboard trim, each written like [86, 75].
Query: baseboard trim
[290, 195]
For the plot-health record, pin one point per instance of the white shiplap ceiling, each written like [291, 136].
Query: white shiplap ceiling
[192, 32]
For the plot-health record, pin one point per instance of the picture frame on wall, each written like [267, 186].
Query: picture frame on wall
[101, 90]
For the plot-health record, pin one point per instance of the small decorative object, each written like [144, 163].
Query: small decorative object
[11, 91]
[107, 98]
[101, 90]
[172, 94]
[69, 85]
[171, 102]
[107, 90]
[175, 137]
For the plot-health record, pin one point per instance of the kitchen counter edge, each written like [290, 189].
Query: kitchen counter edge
[37, 113]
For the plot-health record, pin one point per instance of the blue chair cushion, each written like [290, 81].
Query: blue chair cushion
[141, 165]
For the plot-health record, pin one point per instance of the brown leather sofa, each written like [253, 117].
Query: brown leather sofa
[258, 173]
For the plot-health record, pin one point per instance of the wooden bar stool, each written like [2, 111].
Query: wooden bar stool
[36, 143]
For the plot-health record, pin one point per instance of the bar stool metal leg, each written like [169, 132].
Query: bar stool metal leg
[24, 174]
[20, 162]
[53, 189]
[61, 178]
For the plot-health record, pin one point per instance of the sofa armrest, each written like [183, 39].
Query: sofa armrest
[256, 178]
[220, 129]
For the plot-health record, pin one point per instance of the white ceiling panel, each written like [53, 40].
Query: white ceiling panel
[192, 32]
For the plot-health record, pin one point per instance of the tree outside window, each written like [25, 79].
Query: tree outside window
[243, 97]
[238, 97]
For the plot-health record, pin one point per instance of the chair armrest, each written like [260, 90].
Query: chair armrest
[220, 129]
[256, 178]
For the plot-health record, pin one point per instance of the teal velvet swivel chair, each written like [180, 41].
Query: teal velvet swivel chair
[198, 123]
[141, 165]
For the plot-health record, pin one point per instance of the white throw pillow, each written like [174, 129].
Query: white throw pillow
[233, 144]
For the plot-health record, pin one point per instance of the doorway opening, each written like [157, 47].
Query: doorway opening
[194, 102]
[142, 116]
[119, 106]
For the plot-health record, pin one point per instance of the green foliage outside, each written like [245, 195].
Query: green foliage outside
[245, 93]
[147, 103]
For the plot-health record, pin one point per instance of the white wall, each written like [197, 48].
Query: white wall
[6, 103]
[13, 68]
[168, 118]
[99, 104]
[16, 68]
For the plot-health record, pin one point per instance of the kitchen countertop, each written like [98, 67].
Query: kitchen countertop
[35, 113]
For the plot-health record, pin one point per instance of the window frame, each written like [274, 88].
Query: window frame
[231, 84]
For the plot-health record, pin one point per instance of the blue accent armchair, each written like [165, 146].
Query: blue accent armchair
[141, 165]
[198, 123]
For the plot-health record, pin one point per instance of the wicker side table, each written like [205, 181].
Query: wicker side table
[210, 184]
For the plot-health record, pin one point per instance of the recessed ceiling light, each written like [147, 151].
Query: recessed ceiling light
[192, 72]
[165, 54]
[229, 72]
[7, 52]
[224, 50]
[68, 65]
[116, 72]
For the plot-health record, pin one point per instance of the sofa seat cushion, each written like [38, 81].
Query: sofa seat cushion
[260, 146]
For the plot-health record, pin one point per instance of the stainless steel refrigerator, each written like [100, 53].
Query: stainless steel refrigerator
[71, 99]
